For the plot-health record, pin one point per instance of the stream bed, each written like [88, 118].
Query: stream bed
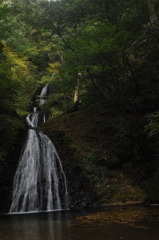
[126, 223]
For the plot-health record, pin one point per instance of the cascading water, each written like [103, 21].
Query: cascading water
[40, 182]
[43, 97]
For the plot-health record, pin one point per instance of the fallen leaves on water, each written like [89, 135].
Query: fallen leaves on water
[120, 217]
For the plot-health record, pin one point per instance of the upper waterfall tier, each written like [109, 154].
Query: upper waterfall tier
[43, 94]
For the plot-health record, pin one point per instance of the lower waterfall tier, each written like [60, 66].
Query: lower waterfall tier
[39, 183]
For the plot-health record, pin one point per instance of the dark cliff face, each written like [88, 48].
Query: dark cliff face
[12, 138]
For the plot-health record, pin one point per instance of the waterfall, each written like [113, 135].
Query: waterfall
[40, 183]
[43, 94]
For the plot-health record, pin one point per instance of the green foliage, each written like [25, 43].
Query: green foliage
[104, 51]
[95, 166]
[7, 94]
[90, 39]
[151, 188]
[96, 41]
[152, 126]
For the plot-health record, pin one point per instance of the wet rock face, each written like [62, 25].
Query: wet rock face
[81, 199]
[80, 193]
[6, 185]
[5, 191]
[11, 149]
[6, 181]
[4, 199]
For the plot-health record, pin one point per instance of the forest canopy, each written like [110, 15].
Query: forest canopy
[98, 51]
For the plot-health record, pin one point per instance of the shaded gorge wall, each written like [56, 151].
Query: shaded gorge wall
[13, 132]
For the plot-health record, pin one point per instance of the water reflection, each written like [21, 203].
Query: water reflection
[37, 226]
[54, 230]
[67, 225]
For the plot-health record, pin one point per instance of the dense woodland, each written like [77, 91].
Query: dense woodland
[101, 60]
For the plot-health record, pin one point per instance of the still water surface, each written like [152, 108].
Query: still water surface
[110, 224]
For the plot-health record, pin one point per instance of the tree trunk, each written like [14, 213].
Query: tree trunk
[153, 6]
[76, 92]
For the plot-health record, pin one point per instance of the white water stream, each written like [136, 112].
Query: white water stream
[40, 182]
